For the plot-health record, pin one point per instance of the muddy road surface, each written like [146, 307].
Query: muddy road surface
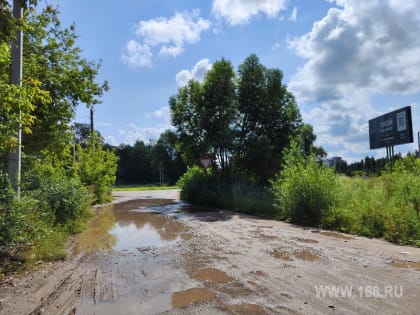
[150, 253]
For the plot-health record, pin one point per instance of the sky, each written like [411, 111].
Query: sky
[346, 61]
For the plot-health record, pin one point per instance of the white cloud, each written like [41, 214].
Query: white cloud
[111, 140]
[237, 12]
[357, 50]
[198, 72]
[137, 54]
[132, 133]
[293, 16]
[164, 114]
[168, 35]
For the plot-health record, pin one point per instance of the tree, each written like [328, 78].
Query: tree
[166, 159]
[52, 58]
[268, 118]
[187, 120]
[244, 122]
[218, 111]
[96, 167]
[307, 139]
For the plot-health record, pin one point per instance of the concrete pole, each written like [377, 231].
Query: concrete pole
[16, 78]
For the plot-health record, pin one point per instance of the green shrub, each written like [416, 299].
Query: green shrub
[64, 197]
[96, 168]
[228, 191]
[304, 190]
[385, 206]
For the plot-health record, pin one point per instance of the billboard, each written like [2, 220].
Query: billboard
[391, 129]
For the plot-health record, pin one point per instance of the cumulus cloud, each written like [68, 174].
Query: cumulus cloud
[132, 133]
[137, 54]
[237, 12]
[167, 35]
[359, 49]
[198, 72]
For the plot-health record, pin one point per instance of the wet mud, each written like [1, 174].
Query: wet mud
[150, 253]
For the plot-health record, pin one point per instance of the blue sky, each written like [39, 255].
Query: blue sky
[346, 61]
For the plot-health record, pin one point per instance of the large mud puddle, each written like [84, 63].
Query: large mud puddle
[134, 248]
[130, 226]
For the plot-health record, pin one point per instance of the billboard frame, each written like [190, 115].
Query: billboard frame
[391, 129]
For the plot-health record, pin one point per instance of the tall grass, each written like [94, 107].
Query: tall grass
[387, 206]
[227, 191]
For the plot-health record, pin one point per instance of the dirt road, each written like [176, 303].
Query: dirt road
[149, 253]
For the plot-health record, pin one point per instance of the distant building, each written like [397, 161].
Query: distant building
[334, 161]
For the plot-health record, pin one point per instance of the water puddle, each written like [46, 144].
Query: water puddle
[305, 240]
[212, 275]
[183, 299]
[406, 264]
[244, 309]
[96, 236]
[131, 226]
[299, 254]
[129, 305]
[305, 255]
[278, 253]
[333, 234]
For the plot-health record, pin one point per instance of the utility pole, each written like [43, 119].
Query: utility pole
[91, 120]
[16, 78]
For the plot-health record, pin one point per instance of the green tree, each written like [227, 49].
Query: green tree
[52, 57]
[268, 118]
[17, 105]
[187, 120]
[96, 167]
[218, 111]
[204, 115]
[243, 122]
[166, 158]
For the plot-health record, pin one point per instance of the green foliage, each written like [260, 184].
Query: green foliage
[64, 197]
[243, 121]
[151, 163]
[17, 105]
[304, 190]
[96, 167]
[385, 206]
[209, 188]
[52, 58]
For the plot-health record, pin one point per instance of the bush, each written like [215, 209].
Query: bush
[96, 168]
[385, 206]
[65, 198]
[229, 191]
[304, 190]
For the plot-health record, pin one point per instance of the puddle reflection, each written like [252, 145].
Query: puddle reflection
[127, 226]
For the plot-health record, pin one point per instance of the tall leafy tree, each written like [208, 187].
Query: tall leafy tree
[204, 115]
[218, 111]
[268, 118]
[52, 57]
[243, 121]
[187, 119]
[166, 158]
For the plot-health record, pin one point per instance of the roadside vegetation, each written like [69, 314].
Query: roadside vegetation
[64, 169]
[264, 161]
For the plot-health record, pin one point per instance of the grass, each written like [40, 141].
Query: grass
[143, 187]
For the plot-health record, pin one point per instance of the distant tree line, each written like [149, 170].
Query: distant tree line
[369, 166]
[152, 163]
